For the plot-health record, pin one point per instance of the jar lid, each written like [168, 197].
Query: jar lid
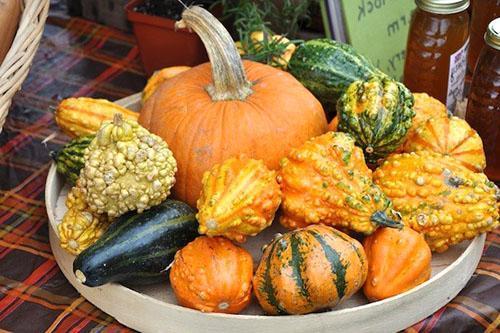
[443, 6]
[492, 35]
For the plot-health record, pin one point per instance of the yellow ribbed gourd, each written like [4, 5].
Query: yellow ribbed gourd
[450, 136]
[79, 227]
[155, 81]
[239, 198]
[83, 115]
[439, 197]
[326, 181]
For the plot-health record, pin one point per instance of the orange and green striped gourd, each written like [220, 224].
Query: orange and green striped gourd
[327, 181]
[238, 199]
[439, 197]
[308, 270]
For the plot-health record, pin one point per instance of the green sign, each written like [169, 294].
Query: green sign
[378, 29]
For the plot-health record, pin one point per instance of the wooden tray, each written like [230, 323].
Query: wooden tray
[154, 309]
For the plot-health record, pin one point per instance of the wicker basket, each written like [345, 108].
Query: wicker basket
[17, 62]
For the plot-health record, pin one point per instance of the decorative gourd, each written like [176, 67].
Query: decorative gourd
[126, 168]
[159, 77]
[439, 197]
[239, 198]
[79, 227]
[212, 275]
[327, 67]
[378, 114]
[398, 260]
[69, 160]
[450, 136]
[425, 107]
[80, 116]
[220, 110]
[334, 124]
[308, 270]
[138, 248]
[258, 41]
[327, 181]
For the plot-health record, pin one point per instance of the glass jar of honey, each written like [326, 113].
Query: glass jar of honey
[483, 12]
[436, 53]
[483, 108]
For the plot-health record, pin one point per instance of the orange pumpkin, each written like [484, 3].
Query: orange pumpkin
[226, 108]
[212, 275]
[398, 260]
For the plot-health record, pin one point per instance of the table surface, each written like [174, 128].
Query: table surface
[81, 58]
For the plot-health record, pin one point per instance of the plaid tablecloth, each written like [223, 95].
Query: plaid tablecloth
[80, 58]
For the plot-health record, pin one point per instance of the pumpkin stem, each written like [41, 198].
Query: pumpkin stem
[380, 218]
[228, 74]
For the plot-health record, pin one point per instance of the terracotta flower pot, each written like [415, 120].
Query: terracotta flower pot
[160, 44]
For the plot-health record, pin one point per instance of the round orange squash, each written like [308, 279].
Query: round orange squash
[450, 136]
[398, 260]
[212, 275]
[228, 107]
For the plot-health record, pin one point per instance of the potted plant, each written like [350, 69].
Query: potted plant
[160, 44]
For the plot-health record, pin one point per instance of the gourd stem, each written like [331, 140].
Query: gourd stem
[228, 74]
[380, 218]
[117, 119]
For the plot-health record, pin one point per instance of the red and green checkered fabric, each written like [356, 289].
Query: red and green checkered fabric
[80, 58]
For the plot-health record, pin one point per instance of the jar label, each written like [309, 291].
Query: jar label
[456, 76]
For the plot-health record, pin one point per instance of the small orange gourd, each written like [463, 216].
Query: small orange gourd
[212, 275]
[450, 136]
[239, 198]
[334, 124]
[159, 77]
[398, 260]
[425, 107]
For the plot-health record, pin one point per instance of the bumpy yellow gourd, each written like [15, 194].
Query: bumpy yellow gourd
[450, 136]
[439, 197]
[126, 168]
[79, 227]
[239, 198]
[327, 181]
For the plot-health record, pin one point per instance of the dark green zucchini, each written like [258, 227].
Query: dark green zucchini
[138, 248]
[69, 160]
[327, 67]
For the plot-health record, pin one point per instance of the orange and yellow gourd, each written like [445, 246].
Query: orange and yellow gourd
[327, 181]
[439, 197]
[239, 198]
